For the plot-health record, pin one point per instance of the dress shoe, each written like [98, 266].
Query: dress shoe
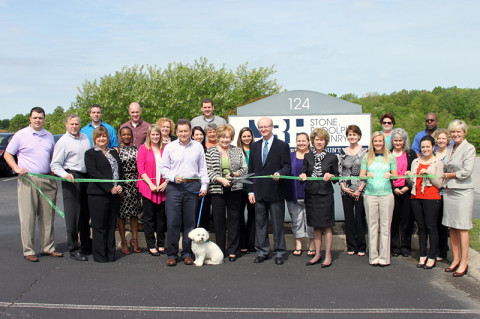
[374, 265]
[405, 254]
[171, 262]
[312, 263]
[232, 259]
[432, 266]
[78, 256]
[259, 259]
[279, 261]
[154, 253]
[452, 269]
[395, 254]
[325, 266]
[384, 265]
[32, 258]
[53, 254]
[421, 265]
[461, 274]
[188, 260]
[161, 251]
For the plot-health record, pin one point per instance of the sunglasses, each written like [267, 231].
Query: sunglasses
[430, 120]
[387, 123]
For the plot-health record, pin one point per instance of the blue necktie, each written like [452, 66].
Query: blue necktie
[265, 152]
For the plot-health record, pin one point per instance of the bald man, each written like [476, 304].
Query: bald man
[269, 156]
[138, 126]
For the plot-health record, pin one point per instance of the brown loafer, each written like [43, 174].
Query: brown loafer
[171, 262]
[188, 260]
[53, 254]
[32, 258]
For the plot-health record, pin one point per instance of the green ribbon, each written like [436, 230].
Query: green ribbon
[93, 180]
[58, 210]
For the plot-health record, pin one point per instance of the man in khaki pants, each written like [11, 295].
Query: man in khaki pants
[33, 146]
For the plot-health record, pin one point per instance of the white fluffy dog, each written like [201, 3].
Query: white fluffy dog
[205, 251]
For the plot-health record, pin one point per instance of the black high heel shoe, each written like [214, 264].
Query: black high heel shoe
[420, 265]
[432, 266]
[156, 253]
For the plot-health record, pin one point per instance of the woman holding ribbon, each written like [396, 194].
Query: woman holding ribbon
[225, 161]
[458, 195]
[319, 201]
[426, 200]
[131, 205]
[350, 159]
[379, 165]
[152, 187]
[402, 220]
[104, 163]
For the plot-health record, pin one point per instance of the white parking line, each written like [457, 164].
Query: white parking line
[240, 310]
[9, 179]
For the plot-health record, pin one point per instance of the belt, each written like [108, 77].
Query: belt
[186, 180]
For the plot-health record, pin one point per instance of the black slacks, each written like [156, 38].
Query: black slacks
[247, 229]
[355, 223]
[154, 221]
[77, 215]
[226, 216]
[104, 212]
[402, 225]
[426, 214]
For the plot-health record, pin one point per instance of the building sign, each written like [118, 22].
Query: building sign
[286, 128]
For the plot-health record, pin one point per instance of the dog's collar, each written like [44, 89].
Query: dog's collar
[207, 240]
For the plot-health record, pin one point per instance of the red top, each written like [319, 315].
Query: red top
[429, 192]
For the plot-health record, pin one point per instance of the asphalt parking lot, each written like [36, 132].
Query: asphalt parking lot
[142, 286]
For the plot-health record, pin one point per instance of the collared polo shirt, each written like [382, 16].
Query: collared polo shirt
[34, 149]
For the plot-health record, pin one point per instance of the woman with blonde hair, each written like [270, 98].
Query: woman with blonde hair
[458, 195]
[442, 140]
[152, 187]
[379, 165]
[167, 128]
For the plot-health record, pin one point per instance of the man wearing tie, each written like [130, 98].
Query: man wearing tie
[269, 156]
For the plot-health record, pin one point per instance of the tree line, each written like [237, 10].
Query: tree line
[177, 90]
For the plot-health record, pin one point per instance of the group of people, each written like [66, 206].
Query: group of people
[172, 180]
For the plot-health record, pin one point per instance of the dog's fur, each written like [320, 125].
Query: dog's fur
[205, 251]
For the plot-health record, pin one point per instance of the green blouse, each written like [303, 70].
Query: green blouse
[378, 186]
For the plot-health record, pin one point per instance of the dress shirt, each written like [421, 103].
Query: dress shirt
[88, 129]
[34, 149]
[69, 153]
[139, 132]
[187, 161]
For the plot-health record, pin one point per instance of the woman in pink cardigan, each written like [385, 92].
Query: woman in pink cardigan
[152, 187]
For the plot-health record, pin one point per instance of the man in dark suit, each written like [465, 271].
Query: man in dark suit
[269, 156]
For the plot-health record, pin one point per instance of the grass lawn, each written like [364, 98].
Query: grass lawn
[475, 235]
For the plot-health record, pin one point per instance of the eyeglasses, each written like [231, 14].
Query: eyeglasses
[387, 123]
[429, 120]
[264, 127]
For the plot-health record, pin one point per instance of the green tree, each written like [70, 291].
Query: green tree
[18, 122]
[175, 91]
[4, 124]
[55, 122]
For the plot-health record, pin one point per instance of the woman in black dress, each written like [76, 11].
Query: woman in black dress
[131, 205]
[319, 194]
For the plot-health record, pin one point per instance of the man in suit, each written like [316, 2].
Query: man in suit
[269, 156]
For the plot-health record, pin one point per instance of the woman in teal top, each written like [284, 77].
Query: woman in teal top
[379, 165]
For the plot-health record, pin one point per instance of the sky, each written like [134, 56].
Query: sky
[50, 47]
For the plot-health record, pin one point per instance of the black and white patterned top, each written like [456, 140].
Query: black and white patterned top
[349, 165]
[131, 205]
